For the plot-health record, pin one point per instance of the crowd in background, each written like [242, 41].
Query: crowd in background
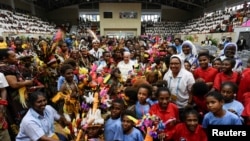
[145, 88]
[71, 88]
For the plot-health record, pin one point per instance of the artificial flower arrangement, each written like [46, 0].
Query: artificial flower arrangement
[151, 125]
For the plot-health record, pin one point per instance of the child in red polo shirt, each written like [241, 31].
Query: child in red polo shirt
[166, 111]
[205, 73]
[199, 90]
[190, 130]
[226, 74]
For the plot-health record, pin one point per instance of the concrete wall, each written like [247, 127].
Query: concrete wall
[116, 24]
[66, 14]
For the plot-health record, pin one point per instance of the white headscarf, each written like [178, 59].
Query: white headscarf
[192, 47]
[230, 44]
[181, 61]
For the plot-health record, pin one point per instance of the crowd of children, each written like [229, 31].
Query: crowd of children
[119, 90]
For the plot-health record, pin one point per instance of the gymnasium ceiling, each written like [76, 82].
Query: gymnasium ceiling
[188, 5]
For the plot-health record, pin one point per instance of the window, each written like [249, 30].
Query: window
[91, 17]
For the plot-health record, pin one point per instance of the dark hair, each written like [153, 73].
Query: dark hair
[65, 67]
[4, 53]
[174, 49]
[161, 83]
[105, 53]
[216, 59]
[204, 54]
[127, 42]
[199, 89]
[190, 110]
[203, 50]
[161, 89]
[232, 61]
[178, 39]
[216, 95]
[157, 60]
[70, 61]
[146, 86]
[231, 84]
[118, 100]
[186, 61]
[34, 96]
[128, 113]
[131, 93]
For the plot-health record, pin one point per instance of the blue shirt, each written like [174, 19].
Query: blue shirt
[141, 110]
[151, 102]
[34, 125]
[234, 105]
[61, 81]
[113, 130]
[228, 119]
[178, 49]
[135, 135]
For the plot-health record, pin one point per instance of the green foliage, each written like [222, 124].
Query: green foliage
[23, 38]
[189, 37]
[214, 41]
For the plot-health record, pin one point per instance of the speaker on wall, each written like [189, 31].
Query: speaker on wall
[107, 15]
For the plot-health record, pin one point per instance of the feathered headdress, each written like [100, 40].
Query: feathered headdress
[45, 51]
[24, 54]
[95, 39]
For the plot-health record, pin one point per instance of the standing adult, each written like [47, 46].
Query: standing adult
[17, 83]
[241, 43]
[180, 82]
[96, 51]
[125, 66]
[230, 51]
[177, 44]
[4, 134]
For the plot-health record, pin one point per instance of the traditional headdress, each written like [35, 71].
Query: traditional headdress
[95, 39]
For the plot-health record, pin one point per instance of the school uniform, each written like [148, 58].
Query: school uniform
[208, 74]
[135, 135]
[182, 133]
[228, 119]
[113, 130]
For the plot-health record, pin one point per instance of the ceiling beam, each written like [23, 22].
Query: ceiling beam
[190, 3]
